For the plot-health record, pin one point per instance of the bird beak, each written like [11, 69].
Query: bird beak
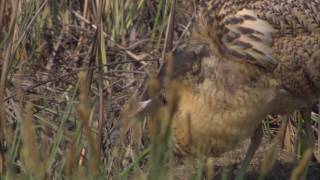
[142, 109]
[143, 105]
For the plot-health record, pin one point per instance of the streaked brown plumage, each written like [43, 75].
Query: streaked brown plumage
[299, 69]
[261, 57]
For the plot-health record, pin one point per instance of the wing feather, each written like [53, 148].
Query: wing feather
[241, 36]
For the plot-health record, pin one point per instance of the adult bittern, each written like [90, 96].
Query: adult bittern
[246, 59]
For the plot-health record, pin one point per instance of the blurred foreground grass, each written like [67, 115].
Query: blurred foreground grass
[69, 68]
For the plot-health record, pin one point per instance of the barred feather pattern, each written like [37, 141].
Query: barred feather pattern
[241, 36]
[290, 17]
[246, 29]
[299, 66]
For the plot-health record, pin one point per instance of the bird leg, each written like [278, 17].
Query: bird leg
[254, 144]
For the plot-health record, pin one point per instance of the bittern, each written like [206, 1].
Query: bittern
[246, 59]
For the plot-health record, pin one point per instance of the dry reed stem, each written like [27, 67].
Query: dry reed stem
[30, 152]
[300, 168]
[84, 113]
